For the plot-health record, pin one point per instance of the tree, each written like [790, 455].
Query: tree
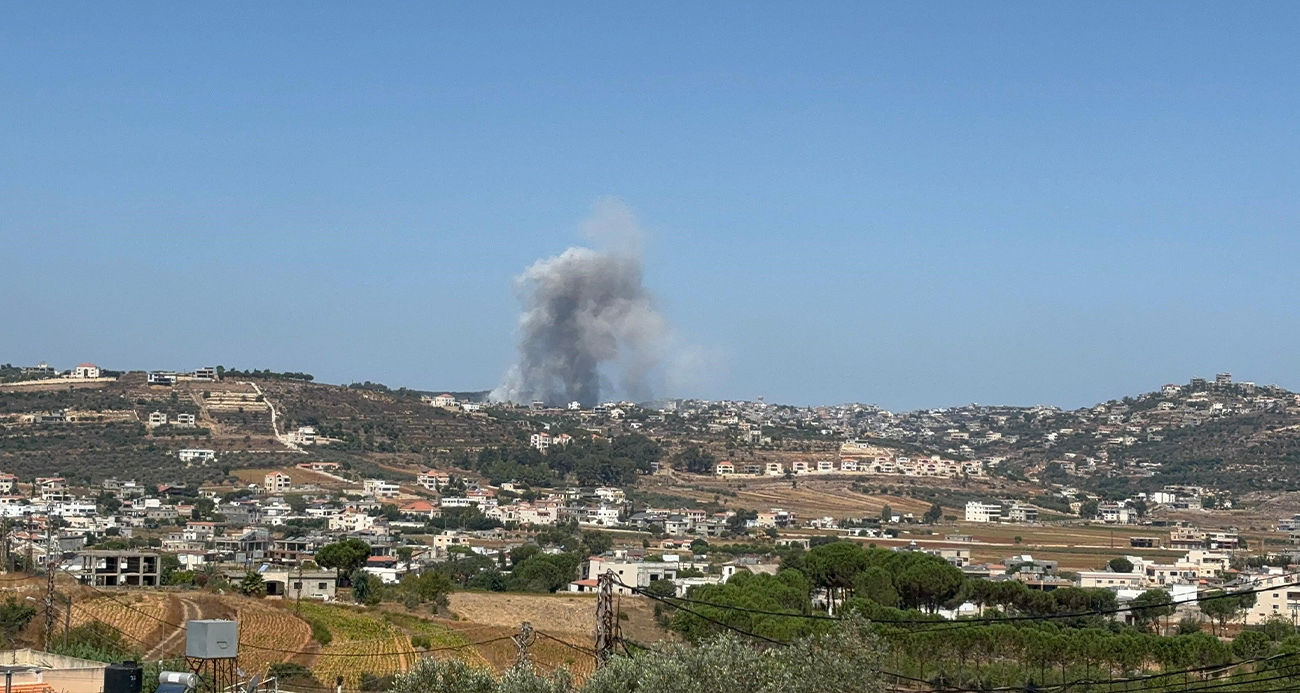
[1222, 607]
[1150, 606]
[597, 542]
[1119, 564]
[934, 514]
[1088, 510]
[875, 583]
[694, 459]
[345, 557]
[366, 588]
[835, 566]
[252, 584]
[886, 513]
[1251, 644]
[14, 616]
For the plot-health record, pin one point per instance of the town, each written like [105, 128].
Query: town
[277, 492]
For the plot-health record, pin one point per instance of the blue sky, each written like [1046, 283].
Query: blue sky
[908, 204]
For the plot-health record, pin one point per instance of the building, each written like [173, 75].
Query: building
[185, 421]
[541, 441]
[381, 489]
[118, 568]
[41, 370]
[1277, 597]
[161, 378]
[1115, 514]
[631, 573]
[979, 511]
[1022, 513]
[157, 418]
[8, 484]
[85, 371]
[205, 373]
[277, 482]
[433, 480]
[444, 400]
[196, 455]
[1109, 580]
[52, 489]
[34, 671]
[304, 435]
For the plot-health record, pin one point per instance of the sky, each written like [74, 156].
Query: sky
[907, 204]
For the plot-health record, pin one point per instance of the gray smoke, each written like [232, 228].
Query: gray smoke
[585, 311]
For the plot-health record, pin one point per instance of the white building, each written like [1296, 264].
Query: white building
[380, 489]
[86, 370]
[433, 480]
[305, 435]
[979, 511]
[196, 455]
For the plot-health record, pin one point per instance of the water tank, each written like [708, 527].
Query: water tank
[126, 677]
[211, 639]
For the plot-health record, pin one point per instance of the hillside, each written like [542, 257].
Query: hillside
[88, 431]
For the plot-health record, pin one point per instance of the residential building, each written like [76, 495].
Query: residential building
[277, 482]
[303, 435]
[433, 480]
[1110, 580]
[381, 489]
[632, 573]
[979, 511]
[197, 455]
[85, 371]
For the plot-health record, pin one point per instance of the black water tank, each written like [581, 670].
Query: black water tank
[126, 677]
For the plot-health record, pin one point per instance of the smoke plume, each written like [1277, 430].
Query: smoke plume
[585, 312]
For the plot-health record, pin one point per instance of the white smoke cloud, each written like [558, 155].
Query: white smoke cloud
[584, 311]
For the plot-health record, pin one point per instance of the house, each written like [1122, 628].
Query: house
[161, 378]
[8, 484]
[197, 455]
[724, 469]
[381, 489]
[304, 435]
[630, 573]
[433, 480]
[1107, 579]
[444, 400]
[541, 441]
[979, 511]
[1277, 596]
[52, 489]
[184, 421]
[205, 373]
[420, 509]
[34, 671]
[774, 469]
[293, 549]
[293, 583]
[86, 371]
[157, 418]
[277, 482]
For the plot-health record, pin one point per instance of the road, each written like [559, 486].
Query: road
[174, 644]
[275, 417]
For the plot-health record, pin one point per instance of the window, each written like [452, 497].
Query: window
[321, 586]
[297, 585]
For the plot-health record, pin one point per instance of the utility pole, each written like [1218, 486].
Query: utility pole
[522, 641]
[604, 618]
[50, 566]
